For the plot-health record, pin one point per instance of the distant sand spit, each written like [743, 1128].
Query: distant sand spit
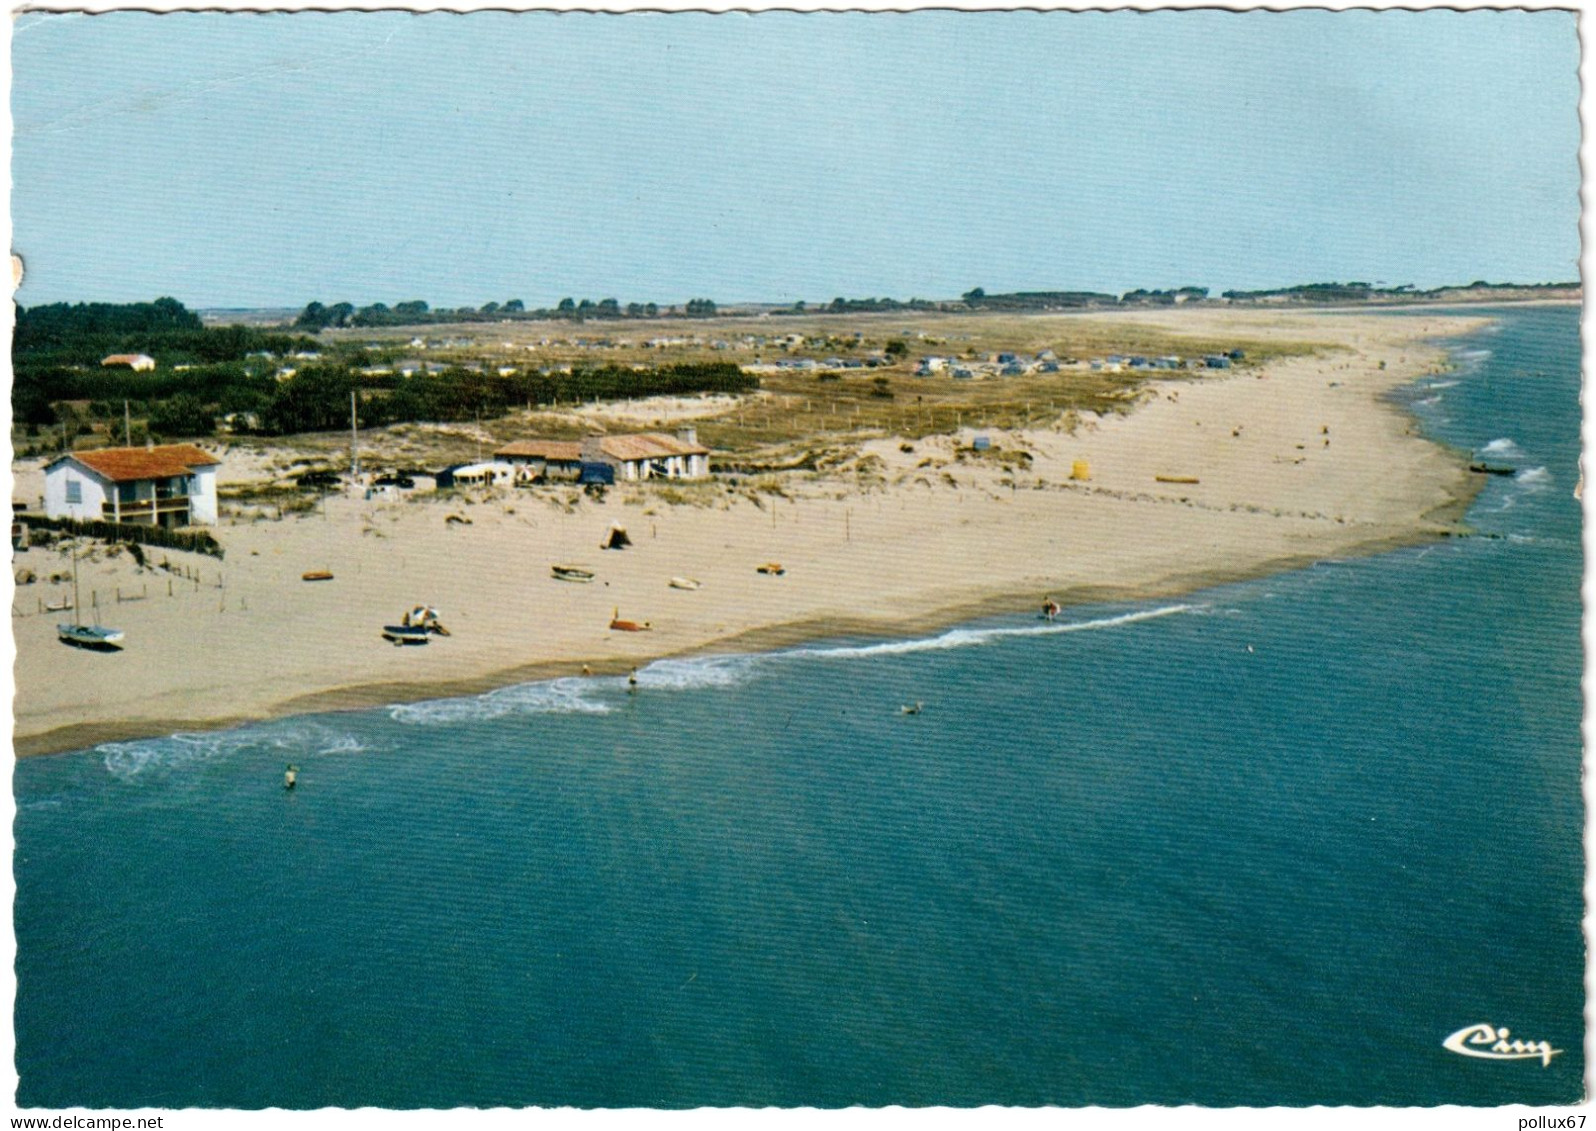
[900, 548]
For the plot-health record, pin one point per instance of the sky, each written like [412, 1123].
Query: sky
[265, 160]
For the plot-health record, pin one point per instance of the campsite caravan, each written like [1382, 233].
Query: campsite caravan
[494, 474]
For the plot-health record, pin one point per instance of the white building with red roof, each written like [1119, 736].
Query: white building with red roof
[168, 485]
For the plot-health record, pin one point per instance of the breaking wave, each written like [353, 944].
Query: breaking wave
[690, 675]
[293, 738]
[1502, 447]
[971, 637]
[556, 697]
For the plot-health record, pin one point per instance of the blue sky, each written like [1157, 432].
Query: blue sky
[266, 160]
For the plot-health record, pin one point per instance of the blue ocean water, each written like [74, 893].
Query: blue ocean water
[1118, 860]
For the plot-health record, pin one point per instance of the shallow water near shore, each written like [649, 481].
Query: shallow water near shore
[1270, 843]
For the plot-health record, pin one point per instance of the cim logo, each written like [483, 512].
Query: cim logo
[1490, 1043]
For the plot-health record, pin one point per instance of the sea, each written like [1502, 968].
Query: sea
[1273, 843]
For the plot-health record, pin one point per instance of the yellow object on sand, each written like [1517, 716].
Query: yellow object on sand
[1080, 469]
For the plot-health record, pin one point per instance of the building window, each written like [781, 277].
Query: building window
[74, 491]
[128, 492]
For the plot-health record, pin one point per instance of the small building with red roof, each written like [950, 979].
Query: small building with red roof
[164, 485]
[138, 362]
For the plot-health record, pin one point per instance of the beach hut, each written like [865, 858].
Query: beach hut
[543, 459]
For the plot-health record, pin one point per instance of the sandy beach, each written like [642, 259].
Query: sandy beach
[1299, 460]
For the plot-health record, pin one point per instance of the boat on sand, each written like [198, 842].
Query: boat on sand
[417, 626]
[80, 635]
[405, 634]
[91, 636]
[619, 625]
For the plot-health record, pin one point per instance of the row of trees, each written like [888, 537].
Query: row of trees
[317, 316]
[62, 326]
[57, 349]
[1037, 300]
[317, 400]
[64, 336]
[840, 305]
[1311, 292]
[1164, 298]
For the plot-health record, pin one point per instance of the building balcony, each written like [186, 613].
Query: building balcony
[146, 510]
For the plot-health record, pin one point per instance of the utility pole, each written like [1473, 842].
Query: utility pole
[127, 424]
[354, 437]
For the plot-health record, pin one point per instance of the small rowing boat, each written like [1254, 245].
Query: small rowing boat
[316, 575]
[684, 583]
[571, 573]
[774, 569]
[405, 633]
[90, 636]
[619, 625]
